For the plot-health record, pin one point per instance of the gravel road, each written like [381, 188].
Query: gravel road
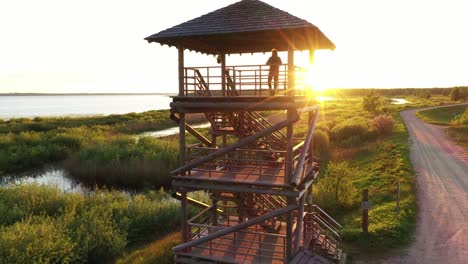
[442, 189]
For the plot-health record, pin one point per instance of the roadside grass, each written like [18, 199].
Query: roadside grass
[454, 117]
[377, 162]
[441, 116]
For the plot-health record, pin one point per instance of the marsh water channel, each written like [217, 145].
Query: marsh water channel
[56, 176]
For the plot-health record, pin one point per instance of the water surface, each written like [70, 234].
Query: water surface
[79, 105]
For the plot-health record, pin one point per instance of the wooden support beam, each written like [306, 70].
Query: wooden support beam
[191, 201]
[231, 188]
[300, 221]
[234, 146]
[235, 228]
[207, 107]
[192, 131]
[181, 70]
[291, 72]
[184, 224]
[223, 73]
[305, 150]
[289, 231]
[182, 139]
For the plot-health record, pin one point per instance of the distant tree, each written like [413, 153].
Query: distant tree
[371, 102]
[455, 94]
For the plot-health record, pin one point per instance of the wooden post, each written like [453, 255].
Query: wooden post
[289, 231]
[291, 72]
[223, 74]
[184, 224]
[181, 115]
[299, 225]
[181, 70]
[215, 212]
[365, 212]
[182, 140]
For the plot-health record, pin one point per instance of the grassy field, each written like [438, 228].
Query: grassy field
[454, 117]
[441, 116]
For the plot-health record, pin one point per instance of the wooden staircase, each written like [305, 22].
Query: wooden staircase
[322, 234]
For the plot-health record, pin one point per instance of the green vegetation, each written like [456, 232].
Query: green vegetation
[459, 93]
[454, 117]
[369, 150]
[42, 224]
[360, 147]
[443, 115]
[158, 251]
[100, 150]
[135, 164]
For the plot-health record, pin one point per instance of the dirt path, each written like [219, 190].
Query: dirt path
[442, 189]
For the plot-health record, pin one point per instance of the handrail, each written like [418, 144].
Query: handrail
[192, 201]
[328, 227]
[235, 228]
[305, 150]
[329, 217]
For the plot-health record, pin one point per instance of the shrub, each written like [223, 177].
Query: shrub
[354, 130]
[371, 102]
[43, 225]
[36, 240]
[462, 119]
[384, 124]
[335, 190]
[320, 141]
[455, 94]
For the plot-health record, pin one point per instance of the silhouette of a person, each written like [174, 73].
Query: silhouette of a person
[274, 62]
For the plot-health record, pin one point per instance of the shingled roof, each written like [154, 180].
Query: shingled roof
[244, 27]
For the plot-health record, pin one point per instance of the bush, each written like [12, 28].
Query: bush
[320, 141]
[384, 124]
[335, 190]
[353, 131]
[36, 240]
[461, 120]
[372, 102]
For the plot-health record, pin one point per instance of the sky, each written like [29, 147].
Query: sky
[98, 46]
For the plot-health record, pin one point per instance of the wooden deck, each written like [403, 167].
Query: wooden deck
[248, 246]
[261, 176]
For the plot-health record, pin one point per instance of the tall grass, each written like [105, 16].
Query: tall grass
[126, 162]
[41, 224]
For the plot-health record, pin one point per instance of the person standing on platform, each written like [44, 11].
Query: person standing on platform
[274, 62]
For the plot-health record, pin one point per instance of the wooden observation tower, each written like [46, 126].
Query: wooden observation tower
[258, 174]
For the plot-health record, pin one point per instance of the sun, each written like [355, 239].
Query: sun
[311, 83]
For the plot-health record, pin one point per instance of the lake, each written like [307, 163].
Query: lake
[79, 105]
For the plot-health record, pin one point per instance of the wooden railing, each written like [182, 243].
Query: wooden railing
[267, 164]
[251, 242]
[322, 230]
[242, 80]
